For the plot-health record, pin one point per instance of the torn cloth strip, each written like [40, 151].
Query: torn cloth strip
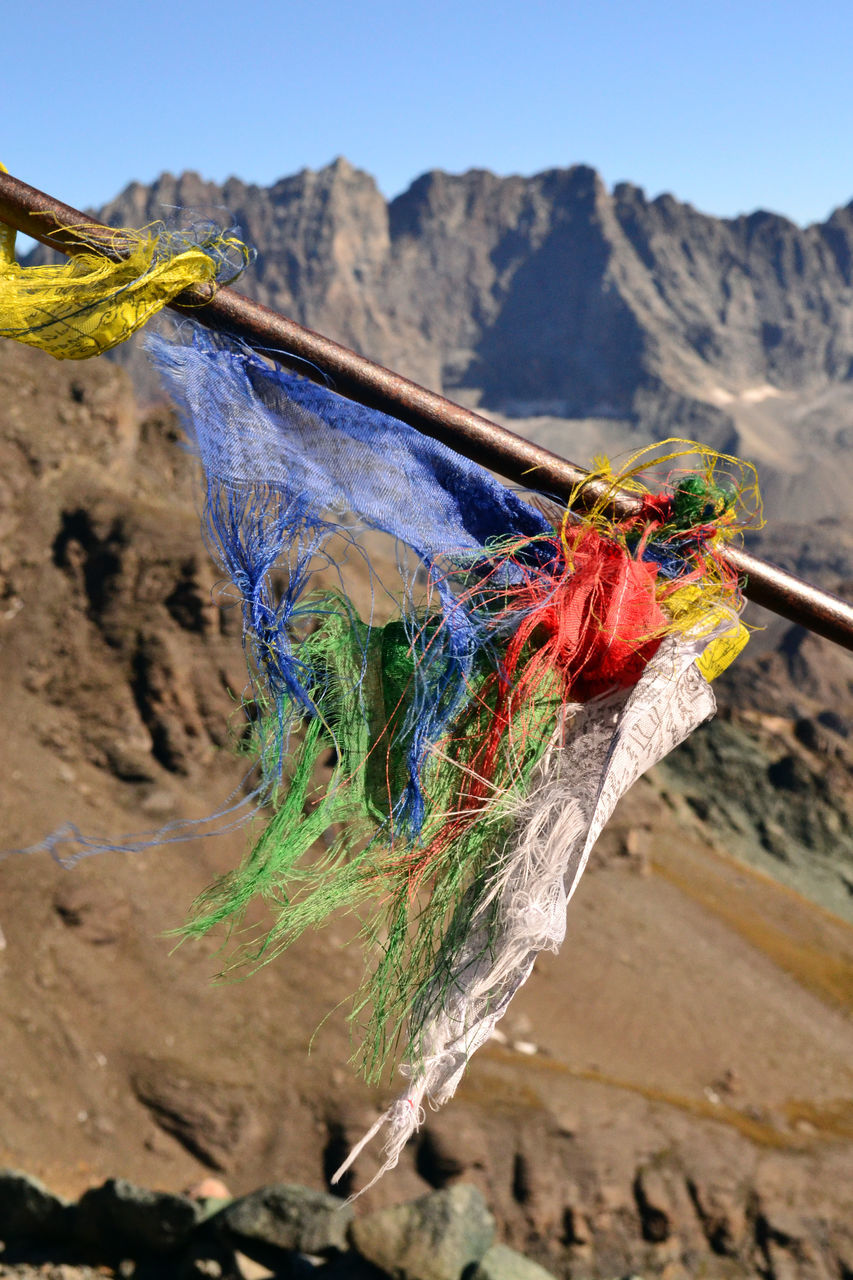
[95, 301]
[595, 754]
[288, 463]
[476, 741]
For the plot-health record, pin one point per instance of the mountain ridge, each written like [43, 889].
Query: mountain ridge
[553, 297]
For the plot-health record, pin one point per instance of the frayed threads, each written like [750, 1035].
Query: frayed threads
[97, 299]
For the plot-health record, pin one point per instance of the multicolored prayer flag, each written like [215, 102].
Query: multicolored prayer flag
[538, 662]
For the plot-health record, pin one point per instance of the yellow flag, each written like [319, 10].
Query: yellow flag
[91, 303]
[694, 611]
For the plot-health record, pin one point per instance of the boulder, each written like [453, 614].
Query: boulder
[434, 1238]
[121, 1215]
[501, 1263]
[28, 1210]
[295, 1219]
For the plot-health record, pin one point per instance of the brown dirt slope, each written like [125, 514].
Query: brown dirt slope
[673, 1088]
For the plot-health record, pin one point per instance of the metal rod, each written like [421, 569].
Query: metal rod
[60, 227]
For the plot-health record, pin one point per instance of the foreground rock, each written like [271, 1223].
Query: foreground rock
[132, 1219]
[28, 1210]
[435, 1238]
[276, 1230]
[667, 1224]
[501, 1263]
[293, 1219]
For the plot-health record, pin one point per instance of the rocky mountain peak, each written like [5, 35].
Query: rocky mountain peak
[551, 297]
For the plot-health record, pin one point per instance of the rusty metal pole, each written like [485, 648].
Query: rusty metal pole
[60, 227]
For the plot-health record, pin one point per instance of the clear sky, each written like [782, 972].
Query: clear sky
[731, 105]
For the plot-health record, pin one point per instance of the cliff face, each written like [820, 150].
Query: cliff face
[552, 299]
[543, 291]
[670, 1095]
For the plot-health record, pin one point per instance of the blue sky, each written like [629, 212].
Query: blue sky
[731, 105]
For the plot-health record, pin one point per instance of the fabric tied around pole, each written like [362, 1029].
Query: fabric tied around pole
[97, 299]
[481, 737]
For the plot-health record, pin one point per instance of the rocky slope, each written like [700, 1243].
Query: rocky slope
[556, 301]
[669, 1093]
[281, 1231]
